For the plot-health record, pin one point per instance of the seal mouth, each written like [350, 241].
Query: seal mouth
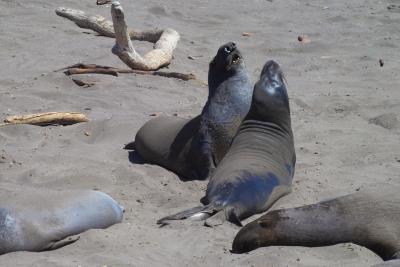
[235, 58]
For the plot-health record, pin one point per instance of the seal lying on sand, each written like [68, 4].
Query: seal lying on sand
[369, 218]
[259, 166]
[193, 147]
[36, 220]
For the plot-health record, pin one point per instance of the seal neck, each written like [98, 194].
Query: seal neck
[217, 78]
[315, 225]
[270, 103]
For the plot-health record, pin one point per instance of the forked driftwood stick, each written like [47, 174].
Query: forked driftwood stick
[48, 118]
[81, 68]
[159, 57]
[105, 27]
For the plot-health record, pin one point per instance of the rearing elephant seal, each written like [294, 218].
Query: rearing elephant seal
[36, 220]
[369, 218]
[193, 147]
[259, 166]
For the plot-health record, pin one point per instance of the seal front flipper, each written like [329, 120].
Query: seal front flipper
[198, 213]
[61, 243]
[130, 146]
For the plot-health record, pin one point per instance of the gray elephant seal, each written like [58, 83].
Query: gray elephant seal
[192, 148]
[36, 220]
[369, 218]
[259, 166]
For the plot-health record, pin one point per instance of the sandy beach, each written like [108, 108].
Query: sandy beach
[345, 116]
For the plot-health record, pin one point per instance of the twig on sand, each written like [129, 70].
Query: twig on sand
[48, 118]
[82, 68]
[73, 71]
[82, 83]
[103, 2]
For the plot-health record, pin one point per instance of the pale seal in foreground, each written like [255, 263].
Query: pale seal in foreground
[369, 218]
[36, 220]
[258, 168]
[192, 148]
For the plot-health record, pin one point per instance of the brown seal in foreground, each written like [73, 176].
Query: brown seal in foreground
[258, 167]
[37, 219]
[192, 148]
[369, 218]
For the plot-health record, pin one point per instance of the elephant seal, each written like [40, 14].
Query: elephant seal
[37, 220]
[369, 218]
[192, 148]
[259, 166]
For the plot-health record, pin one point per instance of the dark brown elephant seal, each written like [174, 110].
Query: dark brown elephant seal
[36, 220]
[258, 168]
[192, 148]
[369, 218]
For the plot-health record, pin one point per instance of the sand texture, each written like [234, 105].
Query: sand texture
[345, 116]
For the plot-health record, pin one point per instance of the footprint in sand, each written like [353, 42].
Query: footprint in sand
[394, 8]
[387, 121]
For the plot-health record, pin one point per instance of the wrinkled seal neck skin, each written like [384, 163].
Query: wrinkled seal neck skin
[270, 101]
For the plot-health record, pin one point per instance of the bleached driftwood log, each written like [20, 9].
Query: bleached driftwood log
[48, 118]
[96, 23]
[165, 40]
[159, 57]
[105, 27]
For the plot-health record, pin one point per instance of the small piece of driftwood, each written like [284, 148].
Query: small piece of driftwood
[82, 83]
[48, 118]
[73, 71]
[82, 68]
[103, 2]
[159, 57]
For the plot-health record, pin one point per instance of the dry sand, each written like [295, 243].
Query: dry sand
[345, 113]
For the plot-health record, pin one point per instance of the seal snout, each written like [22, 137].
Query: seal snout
[229, 47]
[271, 69]
[246, 240]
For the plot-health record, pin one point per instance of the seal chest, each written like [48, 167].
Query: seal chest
[259, 166]
[192, 148]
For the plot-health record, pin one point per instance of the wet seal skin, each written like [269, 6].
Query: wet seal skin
[369, 218]
[192, 148]
[38, 219]
[259, 166]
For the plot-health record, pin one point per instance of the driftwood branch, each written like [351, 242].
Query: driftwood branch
[73, 71]
[105, 27]
[159, 57]
[165, 41]
[96, 23]
[81, 68]
[49, 118]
